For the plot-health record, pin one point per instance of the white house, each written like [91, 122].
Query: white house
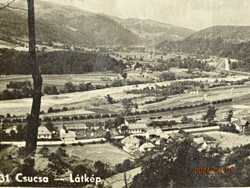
[43, 133]
[153, 132]
[146, 147]
[67, 135]
[137, 128]
[131, 143]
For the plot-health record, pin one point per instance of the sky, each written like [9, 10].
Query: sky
[193, 14]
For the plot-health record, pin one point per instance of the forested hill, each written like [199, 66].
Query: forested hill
[223, 41]
[58, 62]
[66, 25]
[229, 33]
[217, 47]
[73, 26]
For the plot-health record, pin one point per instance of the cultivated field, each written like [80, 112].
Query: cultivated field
[94, 101]
[60, 80]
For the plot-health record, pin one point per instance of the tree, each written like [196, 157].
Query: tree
[50, 126]
[124, 129]
[125, 75]
[110, 99]
[7, 95]
[69, 87]
[127, 105]
[44, 151]
[107, 135]
[174, 166]
[119, 120]
[167, 76]
[80, 170]
[51, 90]
[229, 115]
[101, 170]
[211, 114]
[185, 119]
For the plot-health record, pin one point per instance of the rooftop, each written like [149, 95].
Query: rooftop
[42, 130]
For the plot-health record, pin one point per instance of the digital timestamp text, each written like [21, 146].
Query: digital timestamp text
[218, 170]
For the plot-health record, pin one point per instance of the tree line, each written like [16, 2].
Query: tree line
[58, 62]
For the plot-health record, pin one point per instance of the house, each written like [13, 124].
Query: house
[137, 128]
[241, 124]
[199, 140]
[131, 143]
[133, 128]
[8, 130]
[153, 132]
[66, 135]
[43, 133]
[165, 135]
[148, 146]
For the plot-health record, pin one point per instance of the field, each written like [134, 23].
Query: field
[106, 153]
[60, 80]
[94, 101]
[229, 140]
[103, 152]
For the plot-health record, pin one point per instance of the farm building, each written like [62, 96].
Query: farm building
[66, 135]
[131, 143]
[43, 133]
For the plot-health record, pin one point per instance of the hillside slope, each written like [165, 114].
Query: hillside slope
[228, 33]
[224, 41]
[152, 32]
[73, 26]
[67, 25]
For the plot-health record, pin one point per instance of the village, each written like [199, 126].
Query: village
[116, 93]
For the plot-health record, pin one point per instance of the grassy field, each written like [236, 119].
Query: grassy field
[229, 140]
[106, 153]
[103, 152]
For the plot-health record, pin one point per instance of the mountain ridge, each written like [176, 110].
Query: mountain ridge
[73, 26]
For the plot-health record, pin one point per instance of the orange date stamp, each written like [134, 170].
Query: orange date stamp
[218, 170]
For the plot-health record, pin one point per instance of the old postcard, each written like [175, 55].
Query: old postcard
[124, 93]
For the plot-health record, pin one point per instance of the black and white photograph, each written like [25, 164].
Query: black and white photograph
[125, 93]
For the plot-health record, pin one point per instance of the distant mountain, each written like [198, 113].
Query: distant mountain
[70, 25]
[67, 25]
[233, 34]
[224, 41]
[151, 32]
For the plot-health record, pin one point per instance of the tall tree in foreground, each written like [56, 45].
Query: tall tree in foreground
[33, 119]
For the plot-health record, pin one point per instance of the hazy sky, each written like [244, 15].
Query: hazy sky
[194, 14]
